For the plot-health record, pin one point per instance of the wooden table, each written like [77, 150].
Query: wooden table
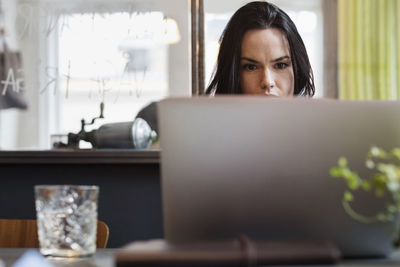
[106, 258]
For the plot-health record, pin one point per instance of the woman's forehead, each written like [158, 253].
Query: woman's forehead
[269, 42]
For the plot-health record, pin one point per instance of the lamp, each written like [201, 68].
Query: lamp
[171, 33]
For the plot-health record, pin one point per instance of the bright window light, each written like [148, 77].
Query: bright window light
[118, 58]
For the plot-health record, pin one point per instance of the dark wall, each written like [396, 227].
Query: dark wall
[129, 202]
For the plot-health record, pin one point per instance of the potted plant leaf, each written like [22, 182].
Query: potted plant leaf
[384, 182]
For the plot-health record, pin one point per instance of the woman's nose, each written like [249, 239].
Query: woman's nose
[267, 81]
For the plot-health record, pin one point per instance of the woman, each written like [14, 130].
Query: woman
[261, 52]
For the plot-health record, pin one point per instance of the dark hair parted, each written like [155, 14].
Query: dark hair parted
[259, 15]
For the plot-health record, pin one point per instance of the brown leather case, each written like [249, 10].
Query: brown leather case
[238, 252]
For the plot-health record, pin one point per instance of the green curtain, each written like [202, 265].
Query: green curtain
[369, 49]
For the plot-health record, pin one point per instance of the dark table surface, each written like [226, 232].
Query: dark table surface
[106, 258]
[102, 258]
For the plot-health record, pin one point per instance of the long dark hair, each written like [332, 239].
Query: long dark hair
[259, 15]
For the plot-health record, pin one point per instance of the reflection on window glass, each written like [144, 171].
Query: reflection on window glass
[76, 54]
[107, 57]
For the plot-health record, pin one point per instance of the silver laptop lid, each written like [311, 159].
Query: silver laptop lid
[260, 166]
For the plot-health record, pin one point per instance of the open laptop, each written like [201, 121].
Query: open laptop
[260, 166]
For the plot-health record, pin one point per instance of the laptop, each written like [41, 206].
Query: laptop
[260, 166]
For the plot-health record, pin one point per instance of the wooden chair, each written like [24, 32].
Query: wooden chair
[24, 234]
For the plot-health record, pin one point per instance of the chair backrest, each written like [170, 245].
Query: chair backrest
[24, 234]
[102, 234]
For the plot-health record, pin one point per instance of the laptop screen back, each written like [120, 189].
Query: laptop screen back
[260, 166]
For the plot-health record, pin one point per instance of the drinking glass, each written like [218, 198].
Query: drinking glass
[66, 219]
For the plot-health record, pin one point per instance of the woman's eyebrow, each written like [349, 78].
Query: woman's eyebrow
[249, 59]
[274, 60]
[280, 58]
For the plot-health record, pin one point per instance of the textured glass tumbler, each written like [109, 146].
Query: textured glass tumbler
[66, 219]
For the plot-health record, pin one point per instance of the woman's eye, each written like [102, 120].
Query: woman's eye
[281, 65]
[249, 67]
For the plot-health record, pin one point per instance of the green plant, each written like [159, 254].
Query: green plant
[385, 180]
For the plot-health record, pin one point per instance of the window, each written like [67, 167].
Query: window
[126, 53]
[78, 54]
[113, 62]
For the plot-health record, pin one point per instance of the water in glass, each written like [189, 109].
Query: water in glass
[67, 220]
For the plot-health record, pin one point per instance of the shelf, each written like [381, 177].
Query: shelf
[103, 156]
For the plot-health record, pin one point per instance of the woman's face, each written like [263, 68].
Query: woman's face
[265, 63]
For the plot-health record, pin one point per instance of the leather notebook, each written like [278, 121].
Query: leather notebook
[238, 252]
